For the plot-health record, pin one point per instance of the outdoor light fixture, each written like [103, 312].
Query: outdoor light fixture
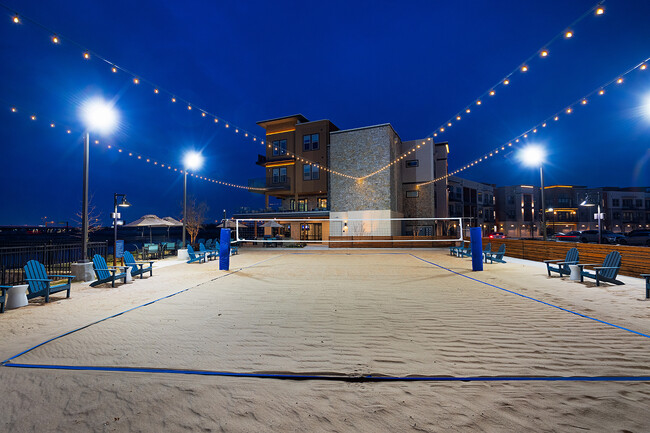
[101, 116]
[192, 161]
[116, 216]
[589, 201]
[534, 156]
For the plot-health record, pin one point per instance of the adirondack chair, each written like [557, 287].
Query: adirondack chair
[194, 257]
[607, 272]
[3, 297]
[234, 249]
[465, 251]
[208, 244]
[496, 257]
[200, 241]
[647, 285]
[562, 265]
[137, 268]
[40, 284]
[105, 273]
[210, 254]
[488, 248]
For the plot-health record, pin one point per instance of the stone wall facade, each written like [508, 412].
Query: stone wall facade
[359, 152]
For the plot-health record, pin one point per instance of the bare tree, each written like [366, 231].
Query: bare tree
[196, 214]
[94, 217]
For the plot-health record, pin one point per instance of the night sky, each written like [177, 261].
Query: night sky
[412, 64]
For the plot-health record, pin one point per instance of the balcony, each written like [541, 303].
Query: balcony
[263, 161]
[270, 183]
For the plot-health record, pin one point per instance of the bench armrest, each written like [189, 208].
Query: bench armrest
[62, 276]
[587, 264]
[607, 267]
[553, 261]
[38, 279]
[109, 270]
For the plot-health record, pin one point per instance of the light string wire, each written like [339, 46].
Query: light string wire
[567, 110]
[136, 155]
[137, 79]
[523, 67]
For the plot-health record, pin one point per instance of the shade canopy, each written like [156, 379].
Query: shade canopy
[271, 224]
[173, 222]
[149, 221]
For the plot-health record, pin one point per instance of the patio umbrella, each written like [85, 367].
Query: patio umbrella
[272, 224]
[172, 223]
[149, 221]
[230, 224]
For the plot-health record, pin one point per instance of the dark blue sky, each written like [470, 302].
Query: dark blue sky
[412, 64]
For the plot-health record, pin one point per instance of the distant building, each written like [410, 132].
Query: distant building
[563, 207]
[517, 209]
[625, 209]
[472, 201]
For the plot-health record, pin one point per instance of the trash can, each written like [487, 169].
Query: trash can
[17, 296]
[575, 273]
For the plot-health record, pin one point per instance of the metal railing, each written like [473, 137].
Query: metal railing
[55, 257]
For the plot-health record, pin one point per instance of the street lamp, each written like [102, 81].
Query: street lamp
[552, 211]
[534, 156]
[99, 116]
[116, 216]
[192, 161]
[588, 201]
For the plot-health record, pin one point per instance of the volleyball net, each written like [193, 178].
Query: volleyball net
[348, 232]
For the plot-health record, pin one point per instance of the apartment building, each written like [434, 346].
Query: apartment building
[296, 149]
[517, 210]
[472, 201]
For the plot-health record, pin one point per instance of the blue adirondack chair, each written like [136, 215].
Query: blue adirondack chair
[496, 257]
[234, 249]
[488, 249]
[40, 284]
[465, 251]
[562, 266]
[137, 268]
[2, 297]
[210, 254]
[607, 272]
[647, 285]
[208, 244]
[194, 257]
[105, 273]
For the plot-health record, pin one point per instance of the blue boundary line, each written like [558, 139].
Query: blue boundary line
[534, 299]
[341, 378]
[6, 361]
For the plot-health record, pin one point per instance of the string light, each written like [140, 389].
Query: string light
[567, 110]
[568, 34]
[506, 82]
[56, 38]
[544, 53]
[600, 10]
[524, 68]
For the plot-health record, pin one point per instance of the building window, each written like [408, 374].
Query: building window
[322, 203]
[627, 202]
[639, 203]
[413, 163]
[310, 142]
[279, 147]
[302, 205]
[510, 199]
[279, 175]
[616, 202]
[412, 194]
[310, 172]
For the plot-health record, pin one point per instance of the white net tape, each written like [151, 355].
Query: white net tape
[328, 230]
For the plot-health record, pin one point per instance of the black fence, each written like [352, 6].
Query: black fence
[55, 257]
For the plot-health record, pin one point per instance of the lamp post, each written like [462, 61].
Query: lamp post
[588, 202]
[552, 211]
[192, 161]
[534, 156]
[116, 216]
[98, 115]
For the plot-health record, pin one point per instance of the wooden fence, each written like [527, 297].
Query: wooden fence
[634, 260]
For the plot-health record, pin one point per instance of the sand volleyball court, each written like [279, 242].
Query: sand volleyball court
[346, 314]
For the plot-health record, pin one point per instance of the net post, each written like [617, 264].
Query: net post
[476, 243]
[224, 250]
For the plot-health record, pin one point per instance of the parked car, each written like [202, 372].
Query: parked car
[607, 236]
[637, 237]
[573, 236]
[496, 236]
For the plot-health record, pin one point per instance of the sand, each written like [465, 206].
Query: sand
[341, 313]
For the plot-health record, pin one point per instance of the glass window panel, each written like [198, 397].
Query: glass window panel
[315, 138]
[306, 172]
[315, 173]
